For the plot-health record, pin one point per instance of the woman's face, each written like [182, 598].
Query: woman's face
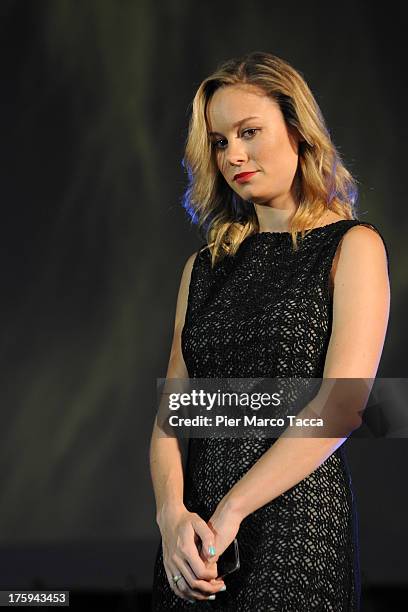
[261, 144]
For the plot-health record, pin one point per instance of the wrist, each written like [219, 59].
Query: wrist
[233, 505]
[169, 511]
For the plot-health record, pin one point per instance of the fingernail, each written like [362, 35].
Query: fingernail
[223, 588]
[211, 551]
[211, 597]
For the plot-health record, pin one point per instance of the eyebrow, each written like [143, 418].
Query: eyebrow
[235, 124]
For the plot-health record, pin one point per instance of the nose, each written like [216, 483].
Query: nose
[236, 153]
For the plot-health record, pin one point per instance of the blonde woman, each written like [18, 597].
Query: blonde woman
[289, 283]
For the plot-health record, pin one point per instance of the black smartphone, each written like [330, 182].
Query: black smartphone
[229, 560]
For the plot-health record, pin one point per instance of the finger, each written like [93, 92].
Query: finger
[192, 594]
[203, 569]
[207, 537]
[209, 563]
[173, 585]
[195, 583]
[210, 566]
[182, 589]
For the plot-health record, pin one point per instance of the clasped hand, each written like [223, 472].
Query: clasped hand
[182, 533]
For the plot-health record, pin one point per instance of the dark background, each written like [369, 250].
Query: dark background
[94, 115]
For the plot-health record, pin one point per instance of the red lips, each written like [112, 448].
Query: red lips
[243, 175]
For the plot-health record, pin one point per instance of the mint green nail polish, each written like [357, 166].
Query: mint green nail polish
[211, 551]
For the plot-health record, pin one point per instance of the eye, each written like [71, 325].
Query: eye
[251, 130]
[216, 143]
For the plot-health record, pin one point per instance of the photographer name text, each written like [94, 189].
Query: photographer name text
[245, 421]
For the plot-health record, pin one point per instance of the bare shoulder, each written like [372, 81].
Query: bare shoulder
[177, 367]
[182, 297]
[364, 241]
[188, 268]
[362, 264]
[361, 256]
[190, 262]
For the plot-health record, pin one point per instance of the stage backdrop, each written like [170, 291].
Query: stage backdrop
[94, 111]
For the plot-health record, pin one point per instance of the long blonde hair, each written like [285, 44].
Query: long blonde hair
[322, 182]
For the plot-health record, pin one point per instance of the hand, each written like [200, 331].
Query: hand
[182, 531]
[224, 523]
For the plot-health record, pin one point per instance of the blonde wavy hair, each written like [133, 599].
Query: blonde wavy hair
[322, 182]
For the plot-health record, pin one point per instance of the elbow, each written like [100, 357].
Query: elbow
[356, 424]
[358, 420]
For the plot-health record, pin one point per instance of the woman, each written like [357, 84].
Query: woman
[288, 284]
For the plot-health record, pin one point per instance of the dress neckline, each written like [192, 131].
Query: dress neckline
[313, 229]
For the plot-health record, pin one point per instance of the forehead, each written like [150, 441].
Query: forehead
[229, 104]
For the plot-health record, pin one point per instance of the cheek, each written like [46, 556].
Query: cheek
[279, 156]
[266, 148]
[264, 151]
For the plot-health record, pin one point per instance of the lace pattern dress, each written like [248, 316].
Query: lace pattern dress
[267, 312]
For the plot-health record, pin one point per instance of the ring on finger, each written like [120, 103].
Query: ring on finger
[176, 578]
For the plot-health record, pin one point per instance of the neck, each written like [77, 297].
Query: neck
[274, 219]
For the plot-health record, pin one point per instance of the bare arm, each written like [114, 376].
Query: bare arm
[180, 529]
[165, 456]
[360, 316]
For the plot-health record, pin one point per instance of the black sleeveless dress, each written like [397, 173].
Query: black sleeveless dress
[267, 312]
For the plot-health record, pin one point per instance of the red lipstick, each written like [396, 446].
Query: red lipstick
[242, 177]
